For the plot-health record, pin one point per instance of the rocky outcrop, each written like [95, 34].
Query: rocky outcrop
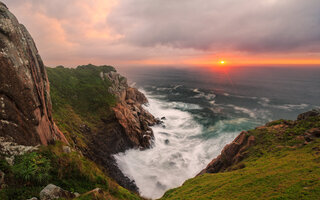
[127, 127]
[10, 149]
[231, 154]
[133, 118]
[25, 105]
[312, 113]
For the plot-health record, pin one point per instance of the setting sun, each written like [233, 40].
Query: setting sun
[222, 62]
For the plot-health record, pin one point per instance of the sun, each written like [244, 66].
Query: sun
[222, 62]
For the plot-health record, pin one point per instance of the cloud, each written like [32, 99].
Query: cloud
[129, 31]
[245, 25]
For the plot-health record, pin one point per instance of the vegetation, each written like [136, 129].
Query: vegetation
[32, 167]
[81, 88]
[279, 166]
[80, 97]
[70, 171]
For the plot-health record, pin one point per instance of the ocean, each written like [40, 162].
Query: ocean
[204, 109]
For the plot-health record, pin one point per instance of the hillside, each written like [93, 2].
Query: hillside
[277, 161]
[100, 114]
[97, 112]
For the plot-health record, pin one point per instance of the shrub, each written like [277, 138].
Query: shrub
[32, 167]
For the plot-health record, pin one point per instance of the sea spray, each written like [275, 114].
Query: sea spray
[180, 150]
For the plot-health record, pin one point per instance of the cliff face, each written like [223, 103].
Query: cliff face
[129, 112]
[231, 154]
[25, 105]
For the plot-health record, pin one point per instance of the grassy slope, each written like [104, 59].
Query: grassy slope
[70, 171]
[79, 96]
[278, 166]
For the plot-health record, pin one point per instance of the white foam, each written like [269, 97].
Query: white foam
[265, 102]
[179, 152]
[243, 110]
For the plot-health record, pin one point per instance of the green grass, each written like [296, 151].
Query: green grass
[82, 88]
[80, 97]
[70, 171]
[278, 166]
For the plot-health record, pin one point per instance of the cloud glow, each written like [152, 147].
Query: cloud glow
[162, 32]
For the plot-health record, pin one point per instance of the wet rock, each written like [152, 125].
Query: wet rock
[25, 105]
[134, 119]
[166, 141]
[54, 192]
[163, 118]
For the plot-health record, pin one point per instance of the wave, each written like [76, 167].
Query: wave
[243, 110]
[180, 151]
[265, 102]
[209, 96]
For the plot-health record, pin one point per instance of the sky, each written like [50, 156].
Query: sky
[173, 32]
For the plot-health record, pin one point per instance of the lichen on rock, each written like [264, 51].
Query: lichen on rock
[25, 105]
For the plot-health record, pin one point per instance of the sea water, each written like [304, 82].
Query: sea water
[205, 109]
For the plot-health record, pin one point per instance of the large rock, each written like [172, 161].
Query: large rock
[312, 113]
[130, 114]
[54, 192]
[25, 105]
[231, 154]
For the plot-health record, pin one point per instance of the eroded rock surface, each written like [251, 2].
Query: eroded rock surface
[25, 105]
[231, 154]
[133, 118]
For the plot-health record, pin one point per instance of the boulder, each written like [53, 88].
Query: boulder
[54, 192]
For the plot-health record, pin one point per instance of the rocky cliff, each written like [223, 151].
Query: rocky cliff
[129, 112]
[97, 112]
[25, 105]
[231, 154]
[100, 114]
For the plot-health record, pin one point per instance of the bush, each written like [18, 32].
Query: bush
[32, 167]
